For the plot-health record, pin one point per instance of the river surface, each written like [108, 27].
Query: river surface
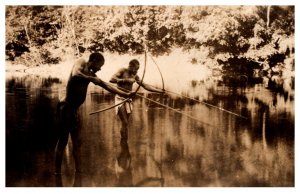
[202, 146]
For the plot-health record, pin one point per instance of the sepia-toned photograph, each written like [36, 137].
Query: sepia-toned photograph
[149, 96]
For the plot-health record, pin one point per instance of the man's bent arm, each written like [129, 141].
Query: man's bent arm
[117, 77]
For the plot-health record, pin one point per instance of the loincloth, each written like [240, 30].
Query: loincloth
[128, 104]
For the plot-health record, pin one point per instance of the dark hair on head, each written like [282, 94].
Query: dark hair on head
[134, 62]
[96, 57]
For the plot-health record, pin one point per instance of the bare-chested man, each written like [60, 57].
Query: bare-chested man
[83, 72]
[125, 78]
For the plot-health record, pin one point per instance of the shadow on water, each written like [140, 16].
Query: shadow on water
[164, 148]
[30, 134]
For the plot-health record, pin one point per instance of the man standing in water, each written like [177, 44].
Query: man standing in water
[125, 78]
[82, 73]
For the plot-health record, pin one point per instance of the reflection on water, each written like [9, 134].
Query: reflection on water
[164, 148]
[123, 165]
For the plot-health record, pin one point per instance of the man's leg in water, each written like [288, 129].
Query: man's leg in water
[65, 125]
[76, 141]
[124, 119]
[60, 147]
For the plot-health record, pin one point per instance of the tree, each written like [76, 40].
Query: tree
[235, 38]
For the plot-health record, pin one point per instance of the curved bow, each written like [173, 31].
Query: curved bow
[139, 85]
[161, 76]
[127, 99]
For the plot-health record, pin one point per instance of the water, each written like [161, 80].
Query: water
[164, 148]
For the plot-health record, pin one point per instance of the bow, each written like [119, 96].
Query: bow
[139, 85]
[127, 99]
[162, 78]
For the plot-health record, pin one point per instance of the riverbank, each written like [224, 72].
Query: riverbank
[60, 71]
[177, 68]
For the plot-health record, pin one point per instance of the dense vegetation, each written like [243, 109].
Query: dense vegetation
[237, 39]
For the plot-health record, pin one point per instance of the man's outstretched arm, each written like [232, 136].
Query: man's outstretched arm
[148, 87]
[113, 89]
[79, 70]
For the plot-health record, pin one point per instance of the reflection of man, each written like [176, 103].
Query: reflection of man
[123, 166]
[125, 78]
[83, 72]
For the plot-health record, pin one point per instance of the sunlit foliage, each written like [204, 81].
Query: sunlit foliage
[238, 39]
